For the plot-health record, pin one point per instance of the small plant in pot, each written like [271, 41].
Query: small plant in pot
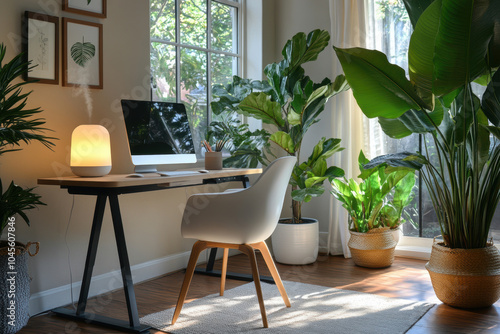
[454, 45]
[290, 103]
[375, 206]
[16, 126]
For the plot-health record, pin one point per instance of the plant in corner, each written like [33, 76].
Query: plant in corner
[290, 102]
[454, 44]
[375, 207]
[17, 125]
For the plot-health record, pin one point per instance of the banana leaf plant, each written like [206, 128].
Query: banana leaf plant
[290, 102]
[454, 43]
[17, 126]
[379, 199]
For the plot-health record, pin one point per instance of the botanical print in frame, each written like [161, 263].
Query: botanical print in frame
[41, 47]
[95, 8]
[82, 53]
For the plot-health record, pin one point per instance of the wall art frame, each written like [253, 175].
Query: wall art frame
[40, 45]
[95, 8]
[82, 53]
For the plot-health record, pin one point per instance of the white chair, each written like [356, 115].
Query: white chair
[240, 220]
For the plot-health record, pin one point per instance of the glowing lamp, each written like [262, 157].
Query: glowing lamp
[90, 151]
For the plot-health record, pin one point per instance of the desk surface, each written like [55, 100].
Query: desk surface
[121, 180]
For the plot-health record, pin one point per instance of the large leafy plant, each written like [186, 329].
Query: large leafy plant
[379, 199]
[454, 43]
[17, 125]
[290, 102]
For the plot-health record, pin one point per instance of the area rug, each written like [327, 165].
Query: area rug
[315, 309]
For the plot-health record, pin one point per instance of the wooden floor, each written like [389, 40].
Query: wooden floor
[406, 278]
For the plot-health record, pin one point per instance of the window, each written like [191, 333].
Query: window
[389, 31]
[194, 45]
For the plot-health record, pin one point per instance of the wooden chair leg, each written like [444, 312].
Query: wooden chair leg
[224, 271]
[198, 247]
[247, 249]
[262, 246]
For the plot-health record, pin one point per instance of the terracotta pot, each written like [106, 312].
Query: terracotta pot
[374, 249]
[296, 243]
[465, 278]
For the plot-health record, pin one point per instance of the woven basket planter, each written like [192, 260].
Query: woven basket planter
[374, 249]
[14, 317]
[465, 278]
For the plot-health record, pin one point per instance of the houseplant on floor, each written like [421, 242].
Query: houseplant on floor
[375, 208]
[17, 125]
[454, 44]
[290, 102]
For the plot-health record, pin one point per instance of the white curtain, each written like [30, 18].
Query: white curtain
[348, 30]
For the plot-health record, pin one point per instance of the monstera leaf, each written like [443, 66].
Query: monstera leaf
[82, 52]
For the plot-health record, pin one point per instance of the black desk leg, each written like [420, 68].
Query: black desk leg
[211, 259]
[133, 324]
[91, 253]
[128, 285]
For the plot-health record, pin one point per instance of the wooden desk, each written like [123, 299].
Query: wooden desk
[111, 186]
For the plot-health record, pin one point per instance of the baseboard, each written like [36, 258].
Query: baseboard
[60, 296]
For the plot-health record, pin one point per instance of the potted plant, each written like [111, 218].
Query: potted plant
[454, 43]
[16, 126]
[290, 102]
[375, 207]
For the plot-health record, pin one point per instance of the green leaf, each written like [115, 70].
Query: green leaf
[462, 42]
[259, 106]
[491, 100]
[421, 52]
[494, 130]
[402, 159]
[373, 78]
[81, 53]
[301, 49]
[306, 194]
[283, 140]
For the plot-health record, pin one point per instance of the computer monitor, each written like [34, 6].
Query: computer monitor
[158, 133]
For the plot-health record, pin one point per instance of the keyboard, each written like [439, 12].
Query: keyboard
[178, 172]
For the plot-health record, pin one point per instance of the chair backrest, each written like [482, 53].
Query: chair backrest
[270, 190]
[246, 216]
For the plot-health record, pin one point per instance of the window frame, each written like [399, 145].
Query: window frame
[239, 6]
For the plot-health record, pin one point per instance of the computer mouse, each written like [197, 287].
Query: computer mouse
[203, 171]
[135, 175]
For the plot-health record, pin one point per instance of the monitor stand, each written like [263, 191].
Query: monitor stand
[145, 169]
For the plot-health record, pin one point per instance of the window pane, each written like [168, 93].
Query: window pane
[194, 91]
[163, 72]
[223, 69]
[193, 22]
[162, 19]
[224, 27]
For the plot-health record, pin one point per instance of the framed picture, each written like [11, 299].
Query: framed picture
[96, 8]
[41, 46]
[82, 53]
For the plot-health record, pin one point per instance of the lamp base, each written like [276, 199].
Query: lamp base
[91, 171]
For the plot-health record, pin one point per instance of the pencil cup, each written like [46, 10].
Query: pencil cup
[213, 160]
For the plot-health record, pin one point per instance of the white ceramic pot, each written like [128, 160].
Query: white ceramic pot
[296, 243]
